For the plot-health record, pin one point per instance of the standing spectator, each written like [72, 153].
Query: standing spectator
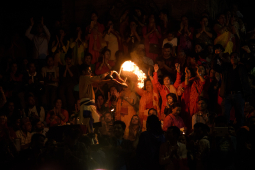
[105, 65]
[38, 128]
[173, 154]
[95, 33]
[32, 111]
[149, 99]
[126, 106]
[224, 36]
[50, 74]
[57, 116]
[40, 39]
[167, 87]
[107, 125]
[165, 23]
[69, 77]
[24, 133]
[60, 47]
[235, 89]
[185, 35]
[204, 35]
[173, 119]
[78, 46]
[152, 34]
[171, 39]
[132, 37]
[112, 39]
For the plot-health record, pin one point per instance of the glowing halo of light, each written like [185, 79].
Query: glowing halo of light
[129, 66]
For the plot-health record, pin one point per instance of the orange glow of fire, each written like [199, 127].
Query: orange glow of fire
[132, 67]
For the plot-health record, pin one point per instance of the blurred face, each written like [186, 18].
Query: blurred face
[231, 131]
[201, 105]
[50, 61]
[193, 61]
[58, 104]
[132, 25]
[100, 99]
[182, 139]
[218, 51]
[94, 17]
[212, 73]
[185, 21]
[2, 120]
[176, 111]
[135, 120]
[210, 49]
[169, 100]
[69, 61]
[118, 130]
[170, 37]
[108, 117]
[31, 101]
[28, 126]
[61, 32]
[87, 60]
[113, 90]
[222, 19]
[148, 86]
[110, 24]
[107, 55]
[32, 68]
[166, 52]
[138, 12]
[152, 19]
[201, 70]
[39, 29]
[11, 107]
[167, 81]
[14, 68]
[152, 112]
[140, 50]
[17, 123]
[198, 48]
[204, 22]
[179, 91]
[181, 54]
[39, 125]
[234, 59]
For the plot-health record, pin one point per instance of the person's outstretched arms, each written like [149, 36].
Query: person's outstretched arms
[28, 31]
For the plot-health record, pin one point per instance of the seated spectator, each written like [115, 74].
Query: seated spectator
[199, 48]
[203, 115]
[69, 77]
[173, 154]
[24, 133]
[57, 116]
[11, 111]
[50, 75]
[100, 104]
[40, 39]
[60, 46]
[106, 64]
[149, 144]
[173, 119]
[219, 53]
[204, 34]
[33, 80]
[32, 111]
[38, 128]
[210, 52]
[107, 125]
[171, 99]
[134, 128]
[171, 39]
[201, 146]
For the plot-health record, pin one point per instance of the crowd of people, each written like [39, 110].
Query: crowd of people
[67, 106]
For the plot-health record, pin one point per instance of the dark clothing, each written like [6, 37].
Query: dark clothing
[32, 84]
[233, 81]
[227, 70]
[68, 78]
[148, 151]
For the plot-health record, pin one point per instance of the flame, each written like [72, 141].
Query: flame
[132, 67]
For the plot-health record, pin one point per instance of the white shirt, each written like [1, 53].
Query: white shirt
[173, 42]
[40, 43]
[30, 110]
[196, 118]
[49, 73]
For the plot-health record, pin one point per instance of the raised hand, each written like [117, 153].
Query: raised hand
[156, 68]
[178, 67]
[32, 21]
[187, 72]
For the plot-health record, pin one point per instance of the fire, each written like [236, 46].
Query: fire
[132, 67]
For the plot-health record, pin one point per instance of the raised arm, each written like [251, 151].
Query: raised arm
[28, 34]
[179, 75]
[155, 78]
[47, 32]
